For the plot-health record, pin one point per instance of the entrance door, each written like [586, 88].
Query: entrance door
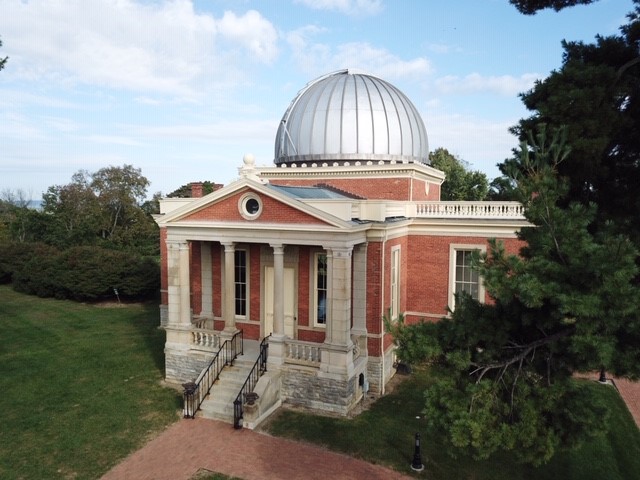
[289, 301]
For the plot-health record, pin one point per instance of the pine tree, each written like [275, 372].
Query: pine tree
[566, 304]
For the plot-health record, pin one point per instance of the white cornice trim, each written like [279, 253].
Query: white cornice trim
[327, 169]
[199, 203]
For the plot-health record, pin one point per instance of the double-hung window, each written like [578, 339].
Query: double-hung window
[240, 282]
[462, 276]
[320, 289]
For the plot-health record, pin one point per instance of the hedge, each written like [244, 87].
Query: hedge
[86, 273]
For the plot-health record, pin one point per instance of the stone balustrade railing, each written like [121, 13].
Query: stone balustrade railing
[199, 322]
[476, 210]
[205, 339]
[302, 353]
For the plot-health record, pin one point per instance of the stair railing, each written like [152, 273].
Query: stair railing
[195, 392]
[258, 369]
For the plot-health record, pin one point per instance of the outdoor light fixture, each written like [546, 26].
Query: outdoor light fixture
[416, 464]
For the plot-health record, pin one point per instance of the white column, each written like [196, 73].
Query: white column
[185, 295]
[339, 286]
[229, 306]
[360, 290]
[278, 290]
[207, 280]
[173, 283]
[337, 354]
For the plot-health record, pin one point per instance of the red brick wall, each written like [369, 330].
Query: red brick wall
[420, 191]
[164, 273]
[372, 188]
[305, 284]
[427, 284]
[216, 270]
[374, 297]
[272, 212]
[304, 287]
[254, 282]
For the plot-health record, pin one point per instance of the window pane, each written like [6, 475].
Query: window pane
[321, 289]
[240, 280]
[322, 307]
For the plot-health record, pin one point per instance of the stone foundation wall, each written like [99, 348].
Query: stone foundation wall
[379, 373]
[164, 315]
[374, 375]
[304, 387]
[184, 366]
[389, 368]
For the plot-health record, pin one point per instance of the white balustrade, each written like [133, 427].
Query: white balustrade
[480, 210]
[206, 339]
[303, 353]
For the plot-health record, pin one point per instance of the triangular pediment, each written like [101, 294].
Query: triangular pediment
[228, 205]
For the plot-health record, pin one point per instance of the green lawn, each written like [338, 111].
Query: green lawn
[385, 434]
[80, 386]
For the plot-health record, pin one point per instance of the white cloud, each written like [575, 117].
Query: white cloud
[316, 58]
[348, 7]
[252, 31]
[161, 47]
[223, 131]
[507, 85]
[443, 48]
[481, 142]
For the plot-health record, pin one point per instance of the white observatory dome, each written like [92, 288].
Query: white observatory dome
[346, 116]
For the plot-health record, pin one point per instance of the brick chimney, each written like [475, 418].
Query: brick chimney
[196, 189]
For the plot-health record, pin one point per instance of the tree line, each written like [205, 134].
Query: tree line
[92, 238]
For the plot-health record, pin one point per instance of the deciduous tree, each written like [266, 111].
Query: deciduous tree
[460, 182]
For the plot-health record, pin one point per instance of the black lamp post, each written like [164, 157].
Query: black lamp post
[416, 464]
[603, 376]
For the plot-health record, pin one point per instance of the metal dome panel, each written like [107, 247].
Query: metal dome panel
[351, 116]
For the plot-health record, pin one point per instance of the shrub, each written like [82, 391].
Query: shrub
[14, 255]
[88, 273]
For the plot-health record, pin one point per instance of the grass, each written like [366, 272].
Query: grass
[384, 434]
[80, 389]
[80, 386]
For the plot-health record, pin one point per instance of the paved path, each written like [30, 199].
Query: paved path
[190, 445]
[630, 393]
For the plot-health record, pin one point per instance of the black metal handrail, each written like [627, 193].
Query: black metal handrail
[195, 392]
[256, 372]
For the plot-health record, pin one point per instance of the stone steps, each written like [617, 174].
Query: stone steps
[219, 403]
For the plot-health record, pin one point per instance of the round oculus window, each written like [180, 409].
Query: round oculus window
[250, 206]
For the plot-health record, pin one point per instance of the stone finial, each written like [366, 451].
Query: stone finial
[249, 170]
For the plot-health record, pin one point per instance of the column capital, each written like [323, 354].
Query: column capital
[278, 248]
[177, 243]
[337, 252]
[228, 246]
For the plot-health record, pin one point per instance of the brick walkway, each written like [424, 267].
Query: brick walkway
[191, 445]
[630, 393]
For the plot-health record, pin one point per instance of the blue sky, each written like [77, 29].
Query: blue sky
[183, 89]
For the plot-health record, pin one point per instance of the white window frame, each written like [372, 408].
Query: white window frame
[316, 289]
[244, 209]
[395, 282]
[454, 248]
[236, 283]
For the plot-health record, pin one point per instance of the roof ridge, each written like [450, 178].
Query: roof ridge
[339, 190]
